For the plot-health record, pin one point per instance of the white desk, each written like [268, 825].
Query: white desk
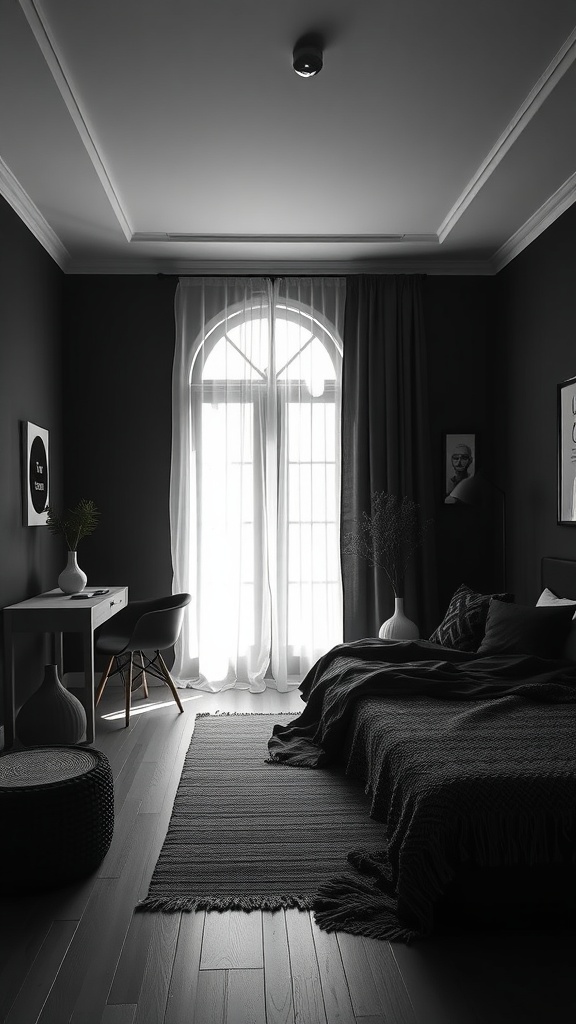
[58, 613]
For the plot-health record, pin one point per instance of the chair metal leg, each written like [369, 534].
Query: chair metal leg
[104, 679]
[169, 680]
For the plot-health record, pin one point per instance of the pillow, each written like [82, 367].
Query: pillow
[519, 629]
[548, 599]
[463, 624]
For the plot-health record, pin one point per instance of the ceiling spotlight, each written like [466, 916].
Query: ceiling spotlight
[307, 56]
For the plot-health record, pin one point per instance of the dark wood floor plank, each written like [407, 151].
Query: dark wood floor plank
[361, 984]
[158, 971]
[277, 982]
[22, 932]
[394, 999]
[129, 973]
[245, 1002]
[337, 1002]
[39, 979]
[230, 997]
[306, 985]
[155, 826]
[181, 1003]
[232, 939]
[211, 998]
[123, 781]
[165, 731]
[120, 1013]
[113, 739]
[126, 826]
[168, 765]
[96, 921]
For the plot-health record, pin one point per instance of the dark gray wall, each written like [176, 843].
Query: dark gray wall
[459, 318]
[118, 427]
[537, 310]
[30, 389]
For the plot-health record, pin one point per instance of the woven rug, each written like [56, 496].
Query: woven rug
[247, 835]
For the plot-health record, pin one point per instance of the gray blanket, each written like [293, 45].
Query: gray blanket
[471, 759]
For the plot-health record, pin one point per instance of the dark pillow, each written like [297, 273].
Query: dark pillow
[463, 625]
[520, 629]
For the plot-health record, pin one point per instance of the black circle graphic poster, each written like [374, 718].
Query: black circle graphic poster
[36, 474]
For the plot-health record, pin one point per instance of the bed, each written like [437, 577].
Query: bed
[468, 757]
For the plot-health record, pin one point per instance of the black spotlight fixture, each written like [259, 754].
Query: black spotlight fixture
[307, 57]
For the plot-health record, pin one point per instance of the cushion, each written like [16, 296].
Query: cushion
[548, 599]
[463, 624]
[520, 629]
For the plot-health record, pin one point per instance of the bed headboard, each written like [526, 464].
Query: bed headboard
[559, 575]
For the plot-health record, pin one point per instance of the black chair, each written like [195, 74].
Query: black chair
[141, 626]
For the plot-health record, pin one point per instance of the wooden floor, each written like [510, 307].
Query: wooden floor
[82, 956]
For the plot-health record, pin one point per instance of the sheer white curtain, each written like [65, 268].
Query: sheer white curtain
[255, 480]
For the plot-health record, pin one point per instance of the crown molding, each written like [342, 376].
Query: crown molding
[29, 213]
[371, 239]
[56, 66]
[553, 208]
[534, 100]
[172, 267]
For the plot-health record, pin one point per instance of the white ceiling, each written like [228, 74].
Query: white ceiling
[446, 124]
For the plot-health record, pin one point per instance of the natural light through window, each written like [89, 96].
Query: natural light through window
[264, 401]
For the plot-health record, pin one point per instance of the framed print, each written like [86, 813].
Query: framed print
[35, 474]
[459, 459]
[567, 452]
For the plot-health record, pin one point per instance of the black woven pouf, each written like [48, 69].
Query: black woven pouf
[56, 815]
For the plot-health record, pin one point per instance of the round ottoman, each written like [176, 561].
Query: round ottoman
[56, 815]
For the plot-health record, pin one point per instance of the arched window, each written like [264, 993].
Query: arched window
[265, 421]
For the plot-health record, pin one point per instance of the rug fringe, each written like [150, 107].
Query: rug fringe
[247, 714]
[177, 904]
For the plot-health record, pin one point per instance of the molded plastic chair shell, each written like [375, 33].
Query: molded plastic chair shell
[142, 626]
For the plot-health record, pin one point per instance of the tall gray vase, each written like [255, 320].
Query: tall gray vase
[51, 715]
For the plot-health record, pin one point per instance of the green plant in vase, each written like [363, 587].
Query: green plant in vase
[73, 524]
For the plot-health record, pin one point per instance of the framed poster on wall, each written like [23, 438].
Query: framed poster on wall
[458, 459]
[35, 474]
[567, 452]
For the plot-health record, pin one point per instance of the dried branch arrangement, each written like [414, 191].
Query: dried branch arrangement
[389, 535]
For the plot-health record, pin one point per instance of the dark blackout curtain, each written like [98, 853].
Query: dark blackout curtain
[385, 441]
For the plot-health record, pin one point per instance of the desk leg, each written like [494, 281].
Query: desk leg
[88, 637]
[9, 709]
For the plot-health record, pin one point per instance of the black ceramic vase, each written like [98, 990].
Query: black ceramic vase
[51, 715]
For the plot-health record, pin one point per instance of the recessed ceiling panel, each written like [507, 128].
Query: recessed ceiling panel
[159, 118]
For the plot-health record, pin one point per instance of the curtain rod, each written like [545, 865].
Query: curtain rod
[273, 277]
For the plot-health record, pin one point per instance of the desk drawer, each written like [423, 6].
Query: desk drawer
[109, 607]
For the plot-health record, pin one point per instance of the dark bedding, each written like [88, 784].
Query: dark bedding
[466, 759]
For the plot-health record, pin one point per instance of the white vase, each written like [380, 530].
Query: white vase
[72, 580]
[398, 627]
